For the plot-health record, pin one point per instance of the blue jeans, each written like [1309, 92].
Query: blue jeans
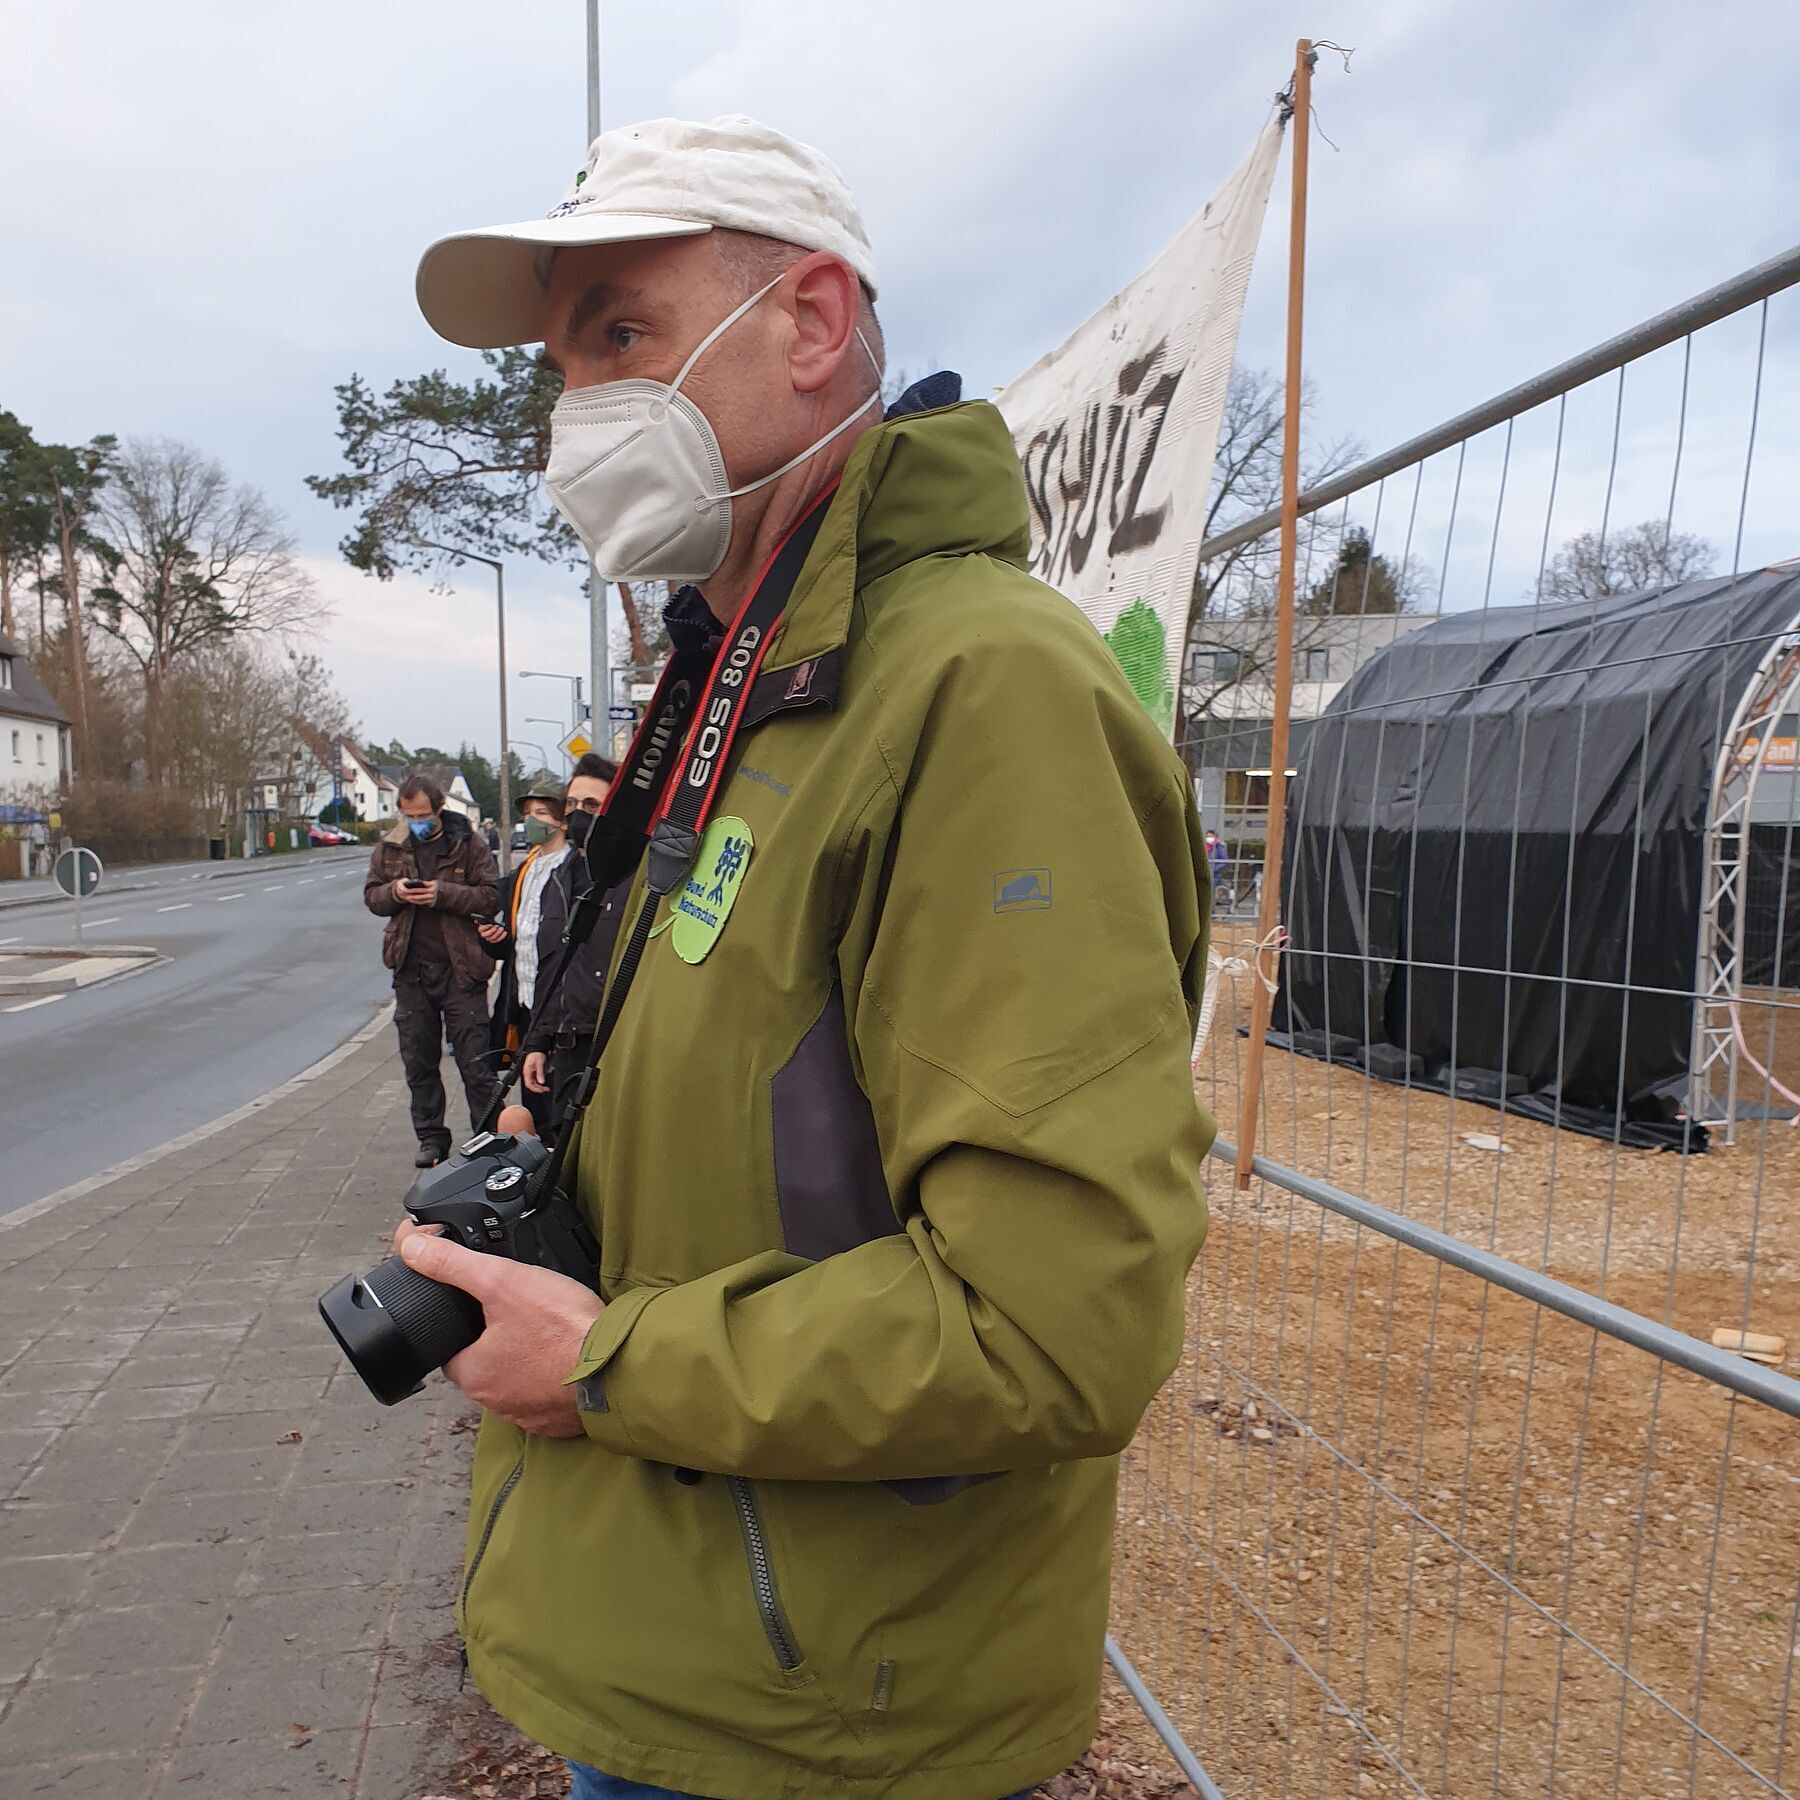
[590, 1784]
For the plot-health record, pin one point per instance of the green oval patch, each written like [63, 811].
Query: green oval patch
[706, 898]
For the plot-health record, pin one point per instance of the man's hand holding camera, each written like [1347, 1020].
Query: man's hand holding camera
[537, 1321]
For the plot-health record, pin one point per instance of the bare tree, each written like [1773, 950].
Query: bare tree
[1247, 481]
[1222, 669]
[1649, 555]
[69, 479]
[198, 563]
[241, 717]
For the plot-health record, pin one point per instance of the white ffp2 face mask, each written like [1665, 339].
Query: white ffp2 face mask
[636, 469]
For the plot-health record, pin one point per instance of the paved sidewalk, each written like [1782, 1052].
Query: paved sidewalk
[226, 1571]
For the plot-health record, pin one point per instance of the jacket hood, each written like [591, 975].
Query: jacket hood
[940, 483]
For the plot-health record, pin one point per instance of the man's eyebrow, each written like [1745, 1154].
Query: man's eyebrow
[592, 303]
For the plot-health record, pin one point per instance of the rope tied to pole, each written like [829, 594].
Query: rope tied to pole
[1270, 944]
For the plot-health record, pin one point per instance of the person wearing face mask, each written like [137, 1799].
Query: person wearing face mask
[431, 877]
[892, 1150]
[512, 935]
[562, 1022]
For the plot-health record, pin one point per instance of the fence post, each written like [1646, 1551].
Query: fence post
[1270, 916]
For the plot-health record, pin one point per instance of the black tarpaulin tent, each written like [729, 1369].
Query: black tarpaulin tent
[1497, 850]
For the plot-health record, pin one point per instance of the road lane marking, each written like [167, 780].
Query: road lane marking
[26, 1006]
[10, 940]
[112, 921]
[179, 906]
[307, 882]
[220, 899]
[274, 887]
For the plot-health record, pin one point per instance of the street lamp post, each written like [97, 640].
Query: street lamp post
[543, 759]
[534, 719]
[600, 683]
[500, 619]
[574, 682]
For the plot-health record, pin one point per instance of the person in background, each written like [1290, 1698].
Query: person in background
[512, 936]
[562, 1025]
[431, 878]
[1216, 857]
[491, 832]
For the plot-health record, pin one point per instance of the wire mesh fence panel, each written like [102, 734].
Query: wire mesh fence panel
[1452, 1493]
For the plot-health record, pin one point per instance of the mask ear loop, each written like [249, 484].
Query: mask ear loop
[659, 407]
[812, 450]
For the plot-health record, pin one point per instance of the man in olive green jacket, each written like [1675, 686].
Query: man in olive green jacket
[894, 1158]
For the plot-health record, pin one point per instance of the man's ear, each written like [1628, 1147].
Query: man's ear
[824, 301]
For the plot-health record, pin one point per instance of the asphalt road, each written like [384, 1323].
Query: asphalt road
[269, 968]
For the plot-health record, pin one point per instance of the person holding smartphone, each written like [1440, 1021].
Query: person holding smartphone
[432, 877]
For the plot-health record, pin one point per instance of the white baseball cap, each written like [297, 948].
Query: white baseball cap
[664, 178]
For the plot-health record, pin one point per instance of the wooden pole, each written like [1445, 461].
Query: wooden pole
[1260, 998]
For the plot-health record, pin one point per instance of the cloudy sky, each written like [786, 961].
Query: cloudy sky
[214, 211]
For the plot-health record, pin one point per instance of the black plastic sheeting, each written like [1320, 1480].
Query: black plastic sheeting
[1495, 845]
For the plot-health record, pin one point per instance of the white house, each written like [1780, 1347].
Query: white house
[36, 745]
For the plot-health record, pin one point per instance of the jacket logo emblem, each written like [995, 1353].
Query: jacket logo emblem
[1022, 890]
[706, 898]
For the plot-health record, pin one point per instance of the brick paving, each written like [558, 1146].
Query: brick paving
[225, 1570]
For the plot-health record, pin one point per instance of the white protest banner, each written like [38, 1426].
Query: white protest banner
[1116, 430]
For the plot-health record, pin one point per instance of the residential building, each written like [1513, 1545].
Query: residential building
[359, 778]
[37, 756]
[1228, 698]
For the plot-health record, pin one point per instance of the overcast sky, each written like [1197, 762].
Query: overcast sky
[214, 210]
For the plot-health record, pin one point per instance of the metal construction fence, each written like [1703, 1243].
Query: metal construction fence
[1453, 1492]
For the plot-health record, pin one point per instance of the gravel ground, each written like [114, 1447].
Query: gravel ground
[1386, 1518]
[488, 1760]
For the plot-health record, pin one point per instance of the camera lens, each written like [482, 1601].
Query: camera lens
[397, 1325]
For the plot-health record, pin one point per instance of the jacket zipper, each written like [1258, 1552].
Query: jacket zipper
[487, 1531]
[762, 1576]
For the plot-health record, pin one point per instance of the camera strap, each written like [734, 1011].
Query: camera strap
[616, 837]
[686, 794]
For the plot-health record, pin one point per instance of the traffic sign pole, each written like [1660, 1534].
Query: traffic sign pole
[77, 872]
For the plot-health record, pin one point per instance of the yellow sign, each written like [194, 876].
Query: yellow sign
[577, 744]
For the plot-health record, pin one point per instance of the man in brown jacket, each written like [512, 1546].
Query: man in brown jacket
[432, 878]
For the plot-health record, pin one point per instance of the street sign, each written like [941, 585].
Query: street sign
[622, 714]
[577, 744]
[641, 691]
[77, 873]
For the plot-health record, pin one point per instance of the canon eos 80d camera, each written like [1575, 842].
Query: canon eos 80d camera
[397, 1325]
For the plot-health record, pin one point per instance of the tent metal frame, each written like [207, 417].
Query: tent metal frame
[1716, 1058]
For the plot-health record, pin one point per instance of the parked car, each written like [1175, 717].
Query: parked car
[328, 834]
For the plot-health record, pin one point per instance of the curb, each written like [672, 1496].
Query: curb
[148, 957]
[234, 868]
[35, 1209]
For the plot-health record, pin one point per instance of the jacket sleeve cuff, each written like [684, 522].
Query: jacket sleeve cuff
[601, 1418]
